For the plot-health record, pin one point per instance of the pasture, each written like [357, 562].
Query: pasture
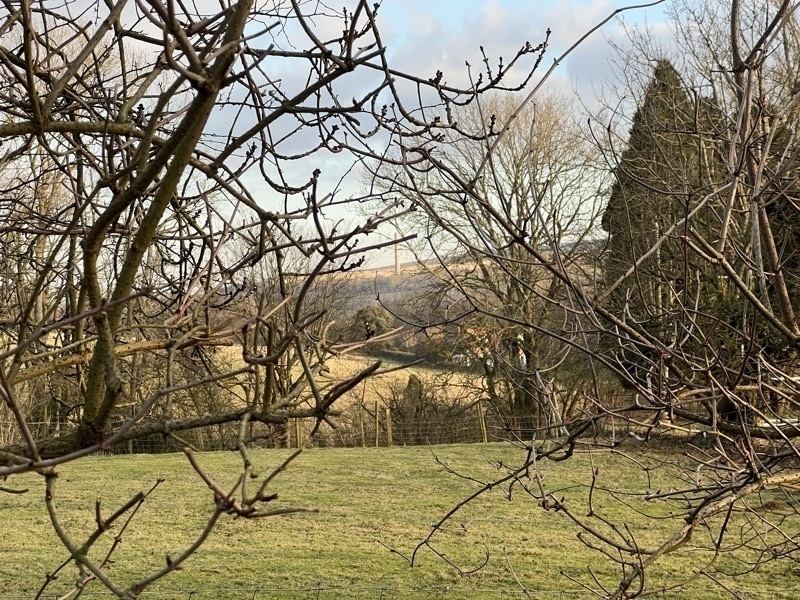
[375, 505]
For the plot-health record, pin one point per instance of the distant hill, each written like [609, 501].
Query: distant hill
[365, 285]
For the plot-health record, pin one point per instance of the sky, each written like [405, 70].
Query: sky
[443, 34]
[424, 36]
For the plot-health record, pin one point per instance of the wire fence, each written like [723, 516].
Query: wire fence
[298, 434]
[358, 426]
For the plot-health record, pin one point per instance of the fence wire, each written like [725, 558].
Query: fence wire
[358, 426]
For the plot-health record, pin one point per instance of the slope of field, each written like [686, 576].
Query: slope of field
[370, 501]
[389, 380]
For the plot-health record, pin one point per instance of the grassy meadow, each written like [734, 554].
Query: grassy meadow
[370, 500]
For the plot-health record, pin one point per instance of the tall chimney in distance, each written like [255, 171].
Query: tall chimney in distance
[396, 253]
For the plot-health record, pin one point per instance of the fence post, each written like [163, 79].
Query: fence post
[297, 428]
[129, 443]
[361, 422]
[388, 426]
[377, 424]
[482, 420]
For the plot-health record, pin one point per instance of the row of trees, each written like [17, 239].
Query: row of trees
[676, 278]
[535, 234]
[172, 179]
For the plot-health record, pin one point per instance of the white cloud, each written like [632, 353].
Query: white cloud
[423, 42]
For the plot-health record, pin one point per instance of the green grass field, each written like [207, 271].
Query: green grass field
[369, 500]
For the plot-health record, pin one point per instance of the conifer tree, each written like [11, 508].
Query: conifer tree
[656, 182]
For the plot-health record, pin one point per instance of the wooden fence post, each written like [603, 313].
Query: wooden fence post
[297, 429]
[482, 420]
[388, 426]
[361, 422]
[130, 441]
[377, 424]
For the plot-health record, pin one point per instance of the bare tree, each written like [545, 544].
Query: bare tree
[154, 155]
[541, 183]
[699, 326]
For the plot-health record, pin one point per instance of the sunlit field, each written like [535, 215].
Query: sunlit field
[375, 505]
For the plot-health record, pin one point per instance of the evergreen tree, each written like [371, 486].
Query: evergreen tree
[674, 158]
[656, 183]
[781, 199]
